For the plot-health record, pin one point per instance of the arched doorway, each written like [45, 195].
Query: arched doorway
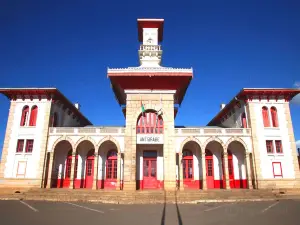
[84, 165]
[61, 171]
[191, 166]
[236, 165]
[214, 160]
[149, 151]
[109, 171]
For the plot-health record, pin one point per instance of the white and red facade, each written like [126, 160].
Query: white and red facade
[248, 144]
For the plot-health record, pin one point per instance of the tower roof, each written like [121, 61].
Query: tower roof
[150, 23]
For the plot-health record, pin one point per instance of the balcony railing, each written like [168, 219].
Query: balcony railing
[150, 48]
[213, 131]
[87, 130]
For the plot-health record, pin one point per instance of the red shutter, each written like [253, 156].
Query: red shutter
[244, 121]
[24, 115]
[33, 116]
[274, 117]
[265, 116]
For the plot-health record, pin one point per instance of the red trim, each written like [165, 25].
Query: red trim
[49, 93]
[150, 23]
[159, 184]
[247, 94]
[265, 116]
[277, 175]
[274, 116]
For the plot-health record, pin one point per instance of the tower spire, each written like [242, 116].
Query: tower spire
[150, 33]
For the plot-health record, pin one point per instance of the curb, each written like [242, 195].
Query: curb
[235, 200]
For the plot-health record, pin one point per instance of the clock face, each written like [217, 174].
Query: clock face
[149, 41]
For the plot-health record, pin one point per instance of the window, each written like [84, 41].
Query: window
[33, 115]
[29, 146]
[269, 145]
[274, 116]
[25, 112]
[265, 116]
[277, 169]
[54, 120]
[244, 121]
[20, 145]
[278, 146]
[149, 122]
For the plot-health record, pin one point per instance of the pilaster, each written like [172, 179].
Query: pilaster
[181, 185]
[49, 178]
[248, 170]
[72, 175]
[119, 171]
[8, 133]
[95, 175]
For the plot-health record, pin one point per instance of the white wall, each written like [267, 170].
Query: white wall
[235, 121]
[273, 133]
[32, 159]
[64, 120]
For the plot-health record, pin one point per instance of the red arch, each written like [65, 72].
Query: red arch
[244, 121]
[25, 112]
[149, 123]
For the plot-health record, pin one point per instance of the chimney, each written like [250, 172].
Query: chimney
[222, 106]
[77, 105]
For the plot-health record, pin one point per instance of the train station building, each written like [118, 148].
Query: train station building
[248, 144]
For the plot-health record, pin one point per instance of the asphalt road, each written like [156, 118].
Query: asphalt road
[73, 213]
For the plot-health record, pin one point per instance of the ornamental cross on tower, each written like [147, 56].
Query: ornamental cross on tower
[150, 33]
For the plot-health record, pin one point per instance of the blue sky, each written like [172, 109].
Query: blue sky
[70, 44]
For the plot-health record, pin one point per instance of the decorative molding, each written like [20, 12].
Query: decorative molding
[149, 69]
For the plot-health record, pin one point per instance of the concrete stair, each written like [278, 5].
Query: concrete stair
[140, 197]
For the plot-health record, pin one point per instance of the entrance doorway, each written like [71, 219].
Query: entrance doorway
[89, 169]
[209, 162]
[149, 169]
[187, 167]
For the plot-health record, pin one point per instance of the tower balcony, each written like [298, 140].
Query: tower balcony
[150, 55]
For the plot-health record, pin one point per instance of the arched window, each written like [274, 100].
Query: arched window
[54, 120]
[33, 115]
[244, 121]
[150, 123]
[265, 115]
[24, 117]
[274, 116]
[111, 165]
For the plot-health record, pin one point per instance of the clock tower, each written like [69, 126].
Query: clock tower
[150, 35]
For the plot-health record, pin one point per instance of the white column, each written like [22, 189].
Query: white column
[72, 171]
[204, 184]
[248, 170]
[95, 175]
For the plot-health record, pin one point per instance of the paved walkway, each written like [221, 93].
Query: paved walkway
[247, 213]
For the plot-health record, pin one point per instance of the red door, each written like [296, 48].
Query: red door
[89, 170]
[111, 170]
[68, 170]
[209, 169]
[188, 171]
[149, 179]
[230, 170]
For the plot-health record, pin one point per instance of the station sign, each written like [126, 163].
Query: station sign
[149, 139]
